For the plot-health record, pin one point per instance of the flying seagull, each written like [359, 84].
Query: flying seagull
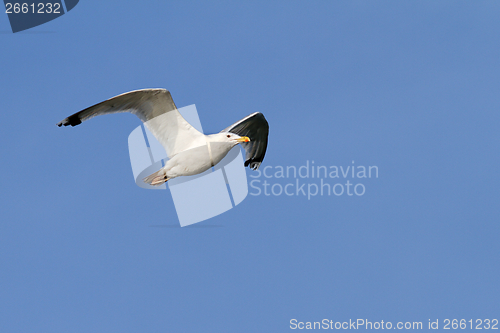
[190, 152]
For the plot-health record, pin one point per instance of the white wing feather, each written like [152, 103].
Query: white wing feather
[156, 108]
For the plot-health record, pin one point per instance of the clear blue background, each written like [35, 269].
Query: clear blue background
[409, 86]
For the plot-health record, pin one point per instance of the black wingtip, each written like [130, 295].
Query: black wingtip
[73, 121]
[253, 164]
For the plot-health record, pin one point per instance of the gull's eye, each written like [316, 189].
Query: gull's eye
[228, 136]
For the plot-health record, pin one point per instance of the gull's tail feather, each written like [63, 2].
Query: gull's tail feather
[157, 178]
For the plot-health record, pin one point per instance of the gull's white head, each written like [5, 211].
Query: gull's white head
[231, 138]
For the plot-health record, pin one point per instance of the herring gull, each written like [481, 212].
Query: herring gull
[190, 152]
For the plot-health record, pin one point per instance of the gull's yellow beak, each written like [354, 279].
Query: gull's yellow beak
[243, 139]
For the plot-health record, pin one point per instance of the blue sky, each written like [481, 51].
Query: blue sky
[410, 87]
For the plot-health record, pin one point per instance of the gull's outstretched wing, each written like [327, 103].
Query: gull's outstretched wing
[156, 108]
[254, 126]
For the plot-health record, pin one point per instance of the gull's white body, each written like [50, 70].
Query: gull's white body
[195, 160]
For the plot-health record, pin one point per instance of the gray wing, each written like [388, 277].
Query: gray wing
[139, 102]
[156, 108]
[254, 126]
